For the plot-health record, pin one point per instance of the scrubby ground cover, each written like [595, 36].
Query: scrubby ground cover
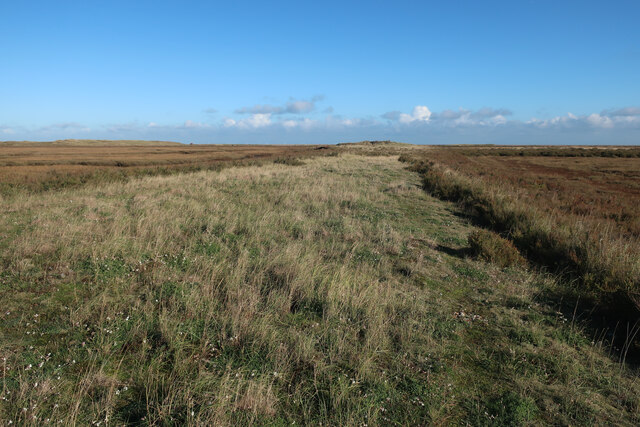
[596, 249]
[42, 166]
[333, 292]
[599, 186]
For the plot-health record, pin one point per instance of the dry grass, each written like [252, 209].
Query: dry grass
[597, 251]
[29, 166]
[330, 293]
[600, 189]
[88, 142]
[493, 248]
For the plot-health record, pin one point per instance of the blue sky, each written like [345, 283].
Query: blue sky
[322, 72]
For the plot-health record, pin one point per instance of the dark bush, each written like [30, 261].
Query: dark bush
[491, 247]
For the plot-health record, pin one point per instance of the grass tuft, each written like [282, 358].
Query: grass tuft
[491, 247]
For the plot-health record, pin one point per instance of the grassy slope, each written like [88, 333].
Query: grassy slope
[604, 263]
[332, 292]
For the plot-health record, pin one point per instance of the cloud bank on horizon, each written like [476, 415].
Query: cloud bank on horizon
[305, 121]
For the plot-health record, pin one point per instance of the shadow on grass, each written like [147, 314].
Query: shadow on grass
[455, 252]
[610, 320]
[608, 323]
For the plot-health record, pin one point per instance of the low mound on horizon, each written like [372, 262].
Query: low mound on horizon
[370, 143]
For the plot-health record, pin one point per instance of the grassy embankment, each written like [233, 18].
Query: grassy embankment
[597, 248]
[332, 292]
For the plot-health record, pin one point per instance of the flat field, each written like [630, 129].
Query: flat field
[40, 166]
[599, 185]
[328, 290]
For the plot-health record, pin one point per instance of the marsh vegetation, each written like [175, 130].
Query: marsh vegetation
[331, 290]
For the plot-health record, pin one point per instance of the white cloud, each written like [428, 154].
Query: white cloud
[420, 114]
[259, 120]
[482, 117]
[498, 120]
[339, 122]
[306, 123]
[627, 120]
[567, 120]
[252, 122]
[421, 125]
[623, 118]
[450, 118]
[600, 121]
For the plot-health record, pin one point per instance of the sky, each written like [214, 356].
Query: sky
[426, 72]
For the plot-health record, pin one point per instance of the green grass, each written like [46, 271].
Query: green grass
[605, 267]
[336, 292]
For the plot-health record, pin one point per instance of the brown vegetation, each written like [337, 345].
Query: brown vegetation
[492, 247]
[602, 189]
[41, 166]
[574, 215]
